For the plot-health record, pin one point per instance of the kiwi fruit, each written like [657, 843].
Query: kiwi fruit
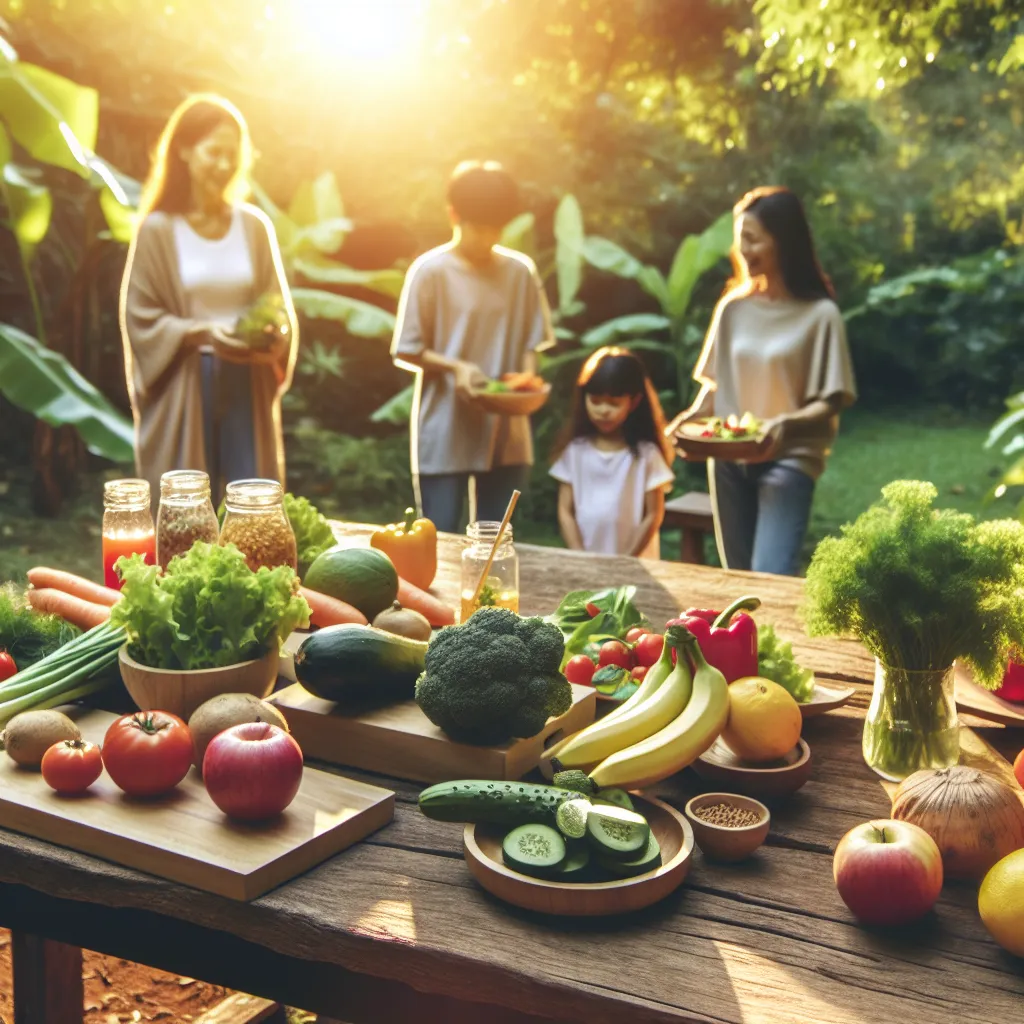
[224, 711]
[31, 734]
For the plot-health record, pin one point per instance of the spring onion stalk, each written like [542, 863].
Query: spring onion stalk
[40, 703]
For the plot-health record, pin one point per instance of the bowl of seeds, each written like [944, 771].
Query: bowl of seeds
[727, 826]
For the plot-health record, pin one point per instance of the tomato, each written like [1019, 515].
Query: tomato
[648, 649]
[148, 753]
[592, 610]
[580, 670]
[72, 766]
[639, 672]
[615, 652]
[633, 636]
[7, 666]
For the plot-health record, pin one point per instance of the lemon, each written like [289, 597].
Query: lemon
[1001, 903]
[764, 720]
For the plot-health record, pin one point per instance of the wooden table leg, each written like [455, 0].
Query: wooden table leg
[47, 981]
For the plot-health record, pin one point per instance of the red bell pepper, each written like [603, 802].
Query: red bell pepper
[728, 640]
[1013, 682]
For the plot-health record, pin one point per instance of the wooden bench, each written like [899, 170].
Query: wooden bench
[691, 513]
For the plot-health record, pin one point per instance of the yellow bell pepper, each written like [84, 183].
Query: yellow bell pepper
[412, 546]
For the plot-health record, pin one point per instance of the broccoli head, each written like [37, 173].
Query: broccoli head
[494, 677]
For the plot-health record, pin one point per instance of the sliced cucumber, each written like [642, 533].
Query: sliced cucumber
[534, 850]
[647, 861]
[616, 832]
[574, 867]
[615, 797]
[571, 818]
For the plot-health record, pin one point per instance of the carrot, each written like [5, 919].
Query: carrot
[437, 613]
[75, 610]
[77, 586]
[329, 611]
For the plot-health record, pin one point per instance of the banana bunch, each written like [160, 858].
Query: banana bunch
[667, 724]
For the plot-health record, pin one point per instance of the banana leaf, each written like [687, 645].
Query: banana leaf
[44, 383]
[397, 409]
[360, 318]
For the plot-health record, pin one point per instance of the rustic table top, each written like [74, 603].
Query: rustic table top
[764, 941]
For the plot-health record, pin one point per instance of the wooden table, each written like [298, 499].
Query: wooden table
[395, 930]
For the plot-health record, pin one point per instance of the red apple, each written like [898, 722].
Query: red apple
[615, 652]
[1013, 683]
[252, 771]
[648, 649]
[888, 872]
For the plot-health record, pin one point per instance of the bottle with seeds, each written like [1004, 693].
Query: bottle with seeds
[186, 514]
[257, 524]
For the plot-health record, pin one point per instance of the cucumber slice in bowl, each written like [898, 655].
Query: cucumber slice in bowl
[571, 818]
[574, 867]
[616, 832]
[614, 797]
[536, 850]
[646, 861]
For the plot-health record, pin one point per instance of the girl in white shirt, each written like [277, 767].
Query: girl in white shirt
[613, 462]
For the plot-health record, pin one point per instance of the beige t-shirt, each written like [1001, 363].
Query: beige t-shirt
[489, 316]
[774, 356]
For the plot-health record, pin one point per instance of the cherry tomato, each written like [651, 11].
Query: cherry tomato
[7, 666]
[615, 652]
[592, 610]
[633, 636]
[648, 649]
[72, 766]
[580, 670]
[639, 672]
[148, 753]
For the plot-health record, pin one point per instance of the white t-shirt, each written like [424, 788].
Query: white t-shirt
[608, 490]
[217, 273]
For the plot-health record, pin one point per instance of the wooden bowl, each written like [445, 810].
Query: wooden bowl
[774, 778]
[827, 698]
[482, 847]
[512, 403]
[719, 842]
[180, 693]
[688, 440]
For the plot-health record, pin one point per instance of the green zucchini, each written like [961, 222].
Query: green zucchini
[355, 665]
[499, 803]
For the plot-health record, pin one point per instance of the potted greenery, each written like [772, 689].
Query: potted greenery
[920, 588]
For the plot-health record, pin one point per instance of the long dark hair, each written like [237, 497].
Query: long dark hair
[169, 185]
[617, 372]
[782, 215]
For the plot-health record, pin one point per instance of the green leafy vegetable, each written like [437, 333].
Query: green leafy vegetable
[313, 534]
[27, 635]
[264, 321]
[922, 588]
[616, 615]
[207, 610]
[775, 661]
[615, 681]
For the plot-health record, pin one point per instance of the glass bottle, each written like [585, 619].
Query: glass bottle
[911, 723]
[186, 514]
[127, 526]
[501, 588]
[256, 523]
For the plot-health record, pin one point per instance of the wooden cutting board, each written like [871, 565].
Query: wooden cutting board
[984, 703]
[182, 836]
[399, 740]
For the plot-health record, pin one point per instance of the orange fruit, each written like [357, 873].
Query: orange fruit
[764, 720]
[1001, 902]
[1018, 767]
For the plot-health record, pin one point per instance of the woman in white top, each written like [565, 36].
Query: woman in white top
[776, 348]
[202, 399]
[612, 463]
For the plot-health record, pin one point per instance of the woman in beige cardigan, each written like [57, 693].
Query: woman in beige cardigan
[202, 399]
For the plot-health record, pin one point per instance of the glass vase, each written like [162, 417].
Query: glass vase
[911, 723]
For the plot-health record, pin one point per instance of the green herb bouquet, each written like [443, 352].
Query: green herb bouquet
[921, 588]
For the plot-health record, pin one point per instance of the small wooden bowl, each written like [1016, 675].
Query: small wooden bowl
[482, 847]
[180, 693]
[722, 767]
[512, 403]
[826, 698]
[718, 842]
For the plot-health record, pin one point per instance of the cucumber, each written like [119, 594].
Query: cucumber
[356, 666]
[646, 861]
[574, 867]
[571, 818]
[616, 832]
[536, 850]
[499, 803]
[614, 798]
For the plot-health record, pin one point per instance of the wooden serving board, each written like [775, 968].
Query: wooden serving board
[399, 740]
[183, 836]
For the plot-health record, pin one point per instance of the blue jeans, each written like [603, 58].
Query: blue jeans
[228, 429]
[441, 495]
[761, 514]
